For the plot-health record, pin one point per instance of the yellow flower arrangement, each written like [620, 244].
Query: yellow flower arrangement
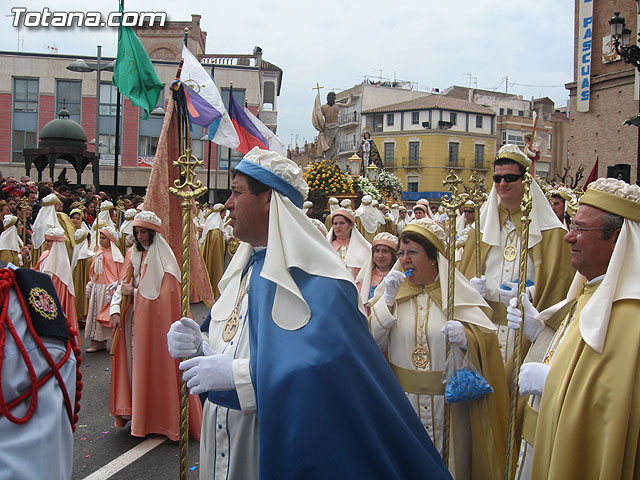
[326, 178]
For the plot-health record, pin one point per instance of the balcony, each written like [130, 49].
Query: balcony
[348, 146]
[411, 161]
[348, 118]
[457, 163]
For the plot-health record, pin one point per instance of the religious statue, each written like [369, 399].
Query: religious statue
[325, 120]
[368, 152]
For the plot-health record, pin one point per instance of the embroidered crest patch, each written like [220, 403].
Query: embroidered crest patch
[43, 303]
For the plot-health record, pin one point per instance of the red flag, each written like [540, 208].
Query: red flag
[593, 176]
[167, 205]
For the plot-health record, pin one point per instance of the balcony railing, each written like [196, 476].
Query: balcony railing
[454, 163]
[347, 118]
[348, 146]
[411, 161]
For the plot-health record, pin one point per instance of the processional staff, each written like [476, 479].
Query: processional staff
[478, 195]
[526, 206]
[187, 189]
[451, 203]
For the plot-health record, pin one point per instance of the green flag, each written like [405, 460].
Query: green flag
[134, 74]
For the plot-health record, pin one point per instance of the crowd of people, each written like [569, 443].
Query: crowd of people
[331, 350]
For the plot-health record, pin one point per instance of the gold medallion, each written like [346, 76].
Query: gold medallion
[510, 253]
[230, 327]
[420, 356]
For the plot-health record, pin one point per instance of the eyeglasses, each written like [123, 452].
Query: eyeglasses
[578, 229]
[509, 177]
[468, 211]
[409, 253]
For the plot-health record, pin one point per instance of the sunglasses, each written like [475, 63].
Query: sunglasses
[509, 177]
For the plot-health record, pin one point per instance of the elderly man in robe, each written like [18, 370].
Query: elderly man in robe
[296, 386]
[586, 378]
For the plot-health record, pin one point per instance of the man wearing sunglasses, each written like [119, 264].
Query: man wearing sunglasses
[549, 270]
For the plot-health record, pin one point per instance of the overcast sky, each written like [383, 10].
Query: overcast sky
[337, 43]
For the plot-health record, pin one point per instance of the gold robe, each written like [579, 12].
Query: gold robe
[212, 250]
[69, 231]
[589, 421]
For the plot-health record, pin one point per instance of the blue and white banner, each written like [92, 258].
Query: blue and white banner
[583, 52]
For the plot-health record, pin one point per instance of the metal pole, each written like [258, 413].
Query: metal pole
[230, 109]
[208, 171]
[96, 166]
[117, 146]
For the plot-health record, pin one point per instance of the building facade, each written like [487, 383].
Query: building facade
[34, 86]
[421, 139]
[607, 83]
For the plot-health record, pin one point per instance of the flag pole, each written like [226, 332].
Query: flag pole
[229, 110]
[187, 188]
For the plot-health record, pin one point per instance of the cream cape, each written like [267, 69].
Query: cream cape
[9, 240]
[359, 249]
[213, 221]
[80, 252]
[542, 217]
[293, 242]
[45, 220]
[370, 217]
[159, 260]
[57, 263]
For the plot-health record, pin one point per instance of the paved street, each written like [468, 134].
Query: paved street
[97, 442]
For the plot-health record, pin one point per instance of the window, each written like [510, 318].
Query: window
[108, 99]
[389, 153]
[390, 119]
[453, 118]
[374, 122]
[149, 129]
[269, 95]
[25, 116]
[478, 121]
[502, 111]
[512, 137]
[414, 153]
[479, 158]
[412, 186]
[69, 95]
[453, 154]
[509, 111]
[25, 95]
[415, 118]
[520, 113]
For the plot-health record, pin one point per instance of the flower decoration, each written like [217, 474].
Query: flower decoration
[327, 178]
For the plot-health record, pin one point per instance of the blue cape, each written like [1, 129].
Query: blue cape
[328, 403]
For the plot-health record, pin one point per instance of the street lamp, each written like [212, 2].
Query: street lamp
[630, 54]
[84, 67]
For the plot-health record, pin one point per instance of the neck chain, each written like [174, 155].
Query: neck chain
[510, 252]
[232, 323]
[559, 335]
[421, 356]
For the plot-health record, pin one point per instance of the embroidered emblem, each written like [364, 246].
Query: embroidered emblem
[43, 303]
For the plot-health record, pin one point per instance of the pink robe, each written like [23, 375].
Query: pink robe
[67, 300]
[151, 395]
[98, 326]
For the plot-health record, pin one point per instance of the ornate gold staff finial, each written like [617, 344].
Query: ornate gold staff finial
[120, 211]
[526, 206]
[24, 204]
[478, 195]
[452, 203]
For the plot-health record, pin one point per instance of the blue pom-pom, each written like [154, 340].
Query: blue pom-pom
[465, 385]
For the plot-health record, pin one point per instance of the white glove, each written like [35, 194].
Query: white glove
[88, 289]
[454, 331]
[532, 324]
[184, 338]
[507, 295]
[392, 283]
[480, 284]
[532, 378]
[112, 286]
[209, 373]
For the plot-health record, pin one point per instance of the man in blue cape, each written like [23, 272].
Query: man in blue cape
[297, 387]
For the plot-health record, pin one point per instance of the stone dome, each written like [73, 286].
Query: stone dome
[63, 129]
